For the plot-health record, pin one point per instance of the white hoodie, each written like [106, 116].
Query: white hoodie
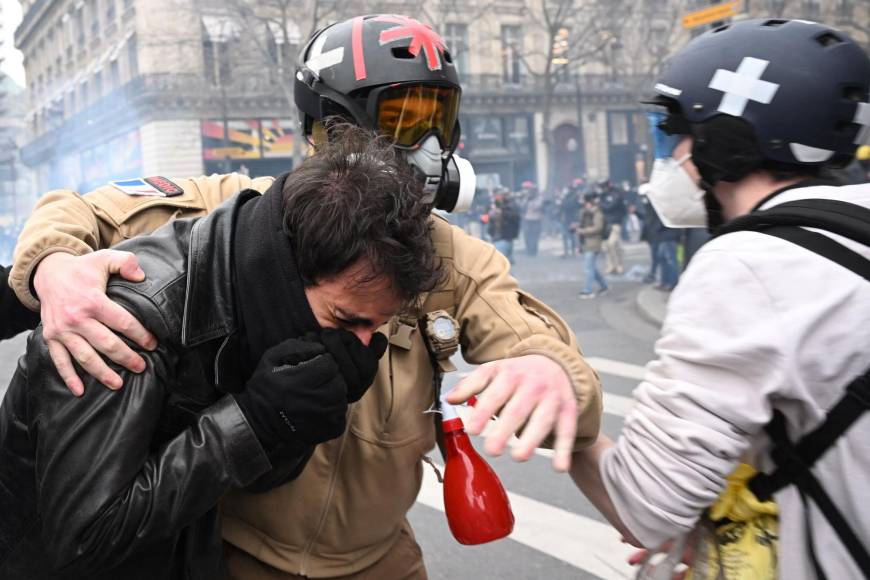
[756, 323]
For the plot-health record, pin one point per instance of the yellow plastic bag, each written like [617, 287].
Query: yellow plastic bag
[735, 539]
[739, 535]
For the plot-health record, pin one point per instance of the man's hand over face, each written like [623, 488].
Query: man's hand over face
[78, 318]
[531, 390]
[358, 363]
[297, 392]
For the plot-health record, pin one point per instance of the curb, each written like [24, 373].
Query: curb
[651, 304]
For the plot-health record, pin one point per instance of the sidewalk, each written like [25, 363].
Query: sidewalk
[651, 304]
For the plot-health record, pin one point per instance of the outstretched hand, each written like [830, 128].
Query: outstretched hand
[531, 390]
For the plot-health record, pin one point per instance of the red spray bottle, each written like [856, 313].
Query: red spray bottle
[476, 504]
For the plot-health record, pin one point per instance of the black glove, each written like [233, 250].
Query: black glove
[358, 363]
[296, 393]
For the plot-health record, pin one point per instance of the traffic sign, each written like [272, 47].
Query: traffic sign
[711, 14]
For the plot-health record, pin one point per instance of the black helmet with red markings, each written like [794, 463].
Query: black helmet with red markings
[395, 75]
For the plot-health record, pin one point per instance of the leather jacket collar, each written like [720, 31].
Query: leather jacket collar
[209, 310]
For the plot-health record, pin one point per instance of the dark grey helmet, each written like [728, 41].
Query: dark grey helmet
[802, 87]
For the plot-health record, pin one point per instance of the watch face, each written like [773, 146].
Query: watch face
[443, 328]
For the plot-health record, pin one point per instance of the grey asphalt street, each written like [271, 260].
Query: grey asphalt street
[613, 334]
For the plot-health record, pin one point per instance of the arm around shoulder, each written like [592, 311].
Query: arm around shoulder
[61, 222]
[64, 221]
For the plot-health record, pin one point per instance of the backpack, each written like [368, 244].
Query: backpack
[794, 460]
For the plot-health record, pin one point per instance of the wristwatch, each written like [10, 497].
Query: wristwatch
[442, 334]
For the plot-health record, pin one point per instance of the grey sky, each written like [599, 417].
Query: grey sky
[10, 12]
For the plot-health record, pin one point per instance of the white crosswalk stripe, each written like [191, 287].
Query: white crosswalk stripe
[616, 368]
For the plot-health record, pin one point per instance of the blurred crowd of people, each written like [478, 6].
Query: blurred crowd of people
[593, 219]
[503, 216]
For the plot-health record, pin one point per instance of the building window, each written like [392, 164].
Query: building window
[518, 135]
[110, 12]
[456, 38]
[217, 32]
[71, 103]
[58, 66]
[511, 45]
[95, 19]
[280, 55]
[487, 133]
[132, 57]
[217, 62]
[114, 75]
[618, 128]
[281, 45]
[98, 85]
[561, 63]
[80, 25]
[54, 113]
[68, 33]
[83, 94]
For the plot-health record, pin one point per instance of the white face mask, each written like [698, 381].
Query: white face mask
[676, 198]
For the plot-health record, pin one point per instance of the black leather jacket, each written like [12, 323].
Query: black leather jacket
[14, 316]
[125, 484]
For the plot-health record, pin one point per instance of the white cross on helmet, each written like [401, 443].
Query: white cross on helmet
[742, 86]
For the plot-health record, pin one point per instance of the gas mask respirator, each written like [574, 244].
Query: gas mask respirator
[448, 179]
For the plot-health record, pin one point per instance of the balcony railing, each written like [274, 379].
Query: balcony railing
[485, 84]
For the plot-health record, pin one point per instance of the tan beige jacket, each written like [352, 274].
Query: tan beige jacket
[347, 508]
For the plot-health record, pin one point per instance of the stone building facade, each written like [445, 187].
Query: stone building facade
[121, 88]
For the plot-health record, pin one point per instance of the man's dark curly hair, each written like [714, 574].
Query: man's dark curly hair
[355, 198]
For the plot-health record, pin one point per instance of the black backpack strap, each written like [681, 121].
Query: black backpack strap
[839, 217]
[795, 458]
[794, 464]
[794, 461]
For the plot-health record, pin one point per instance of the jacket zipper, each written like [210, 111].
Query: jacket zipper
[303, 571]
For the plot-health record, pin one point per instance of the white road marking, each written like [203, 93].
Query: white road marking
[617, 368]
[580, 541]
